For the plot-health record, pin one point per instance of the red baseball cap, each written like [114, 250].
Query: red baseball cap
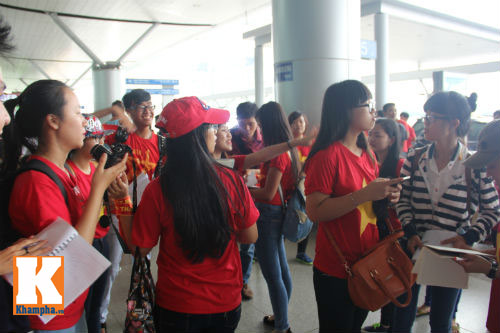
[185, 114]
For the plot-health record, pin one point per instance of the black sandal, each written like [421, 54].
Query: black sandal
[103, 325]
[268, 321]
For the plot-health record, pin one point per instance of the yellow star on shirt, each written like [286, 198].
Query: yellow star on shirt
[367, 216]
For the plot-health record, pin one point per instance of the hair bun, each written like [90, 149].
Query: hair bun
[472, 100]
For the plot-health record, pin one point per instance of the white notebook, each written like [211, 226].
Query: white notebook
[83, 264]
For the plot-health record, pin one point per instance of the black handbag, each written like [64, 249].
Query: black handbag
[141, 297]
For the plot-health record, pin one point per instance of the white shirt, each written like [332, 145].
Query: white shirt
[453, 173]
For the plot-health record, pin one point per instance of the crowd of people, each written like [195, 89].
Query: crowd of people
[211, 198]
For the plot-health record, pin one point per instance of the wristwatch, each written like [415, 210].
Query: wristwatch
[492, 274]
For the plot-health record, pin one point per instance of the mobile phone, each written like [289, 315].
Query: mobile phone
[402, 180]
[405, 178]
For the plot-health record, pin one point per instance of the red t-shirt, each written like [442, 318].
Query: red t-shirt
[336, 171]
[284, 164]
[84, 182]
[239, 160]
[145, 154]
[303, 152]
[212, 286]
[411, 136]
[36, 201]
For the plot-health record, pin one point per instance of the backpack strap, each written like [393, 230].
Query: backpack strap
[37, 165]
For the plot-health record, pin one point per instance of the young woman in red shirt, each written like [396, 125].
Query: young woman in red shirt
[223, 146]
[385, 143]
[199, 210]
[341, 183]
[49, 123]
[298, 123]
[281, 171]
[81, 165]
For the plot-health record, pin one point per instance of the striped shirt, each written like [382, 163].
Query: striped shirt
[418, 213]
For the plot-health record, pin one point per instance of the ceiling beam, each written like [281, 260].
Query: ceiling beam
[408, 12]
[80, 77]
[488, 67]
[40, 69]
[75, 38]
[137, 42]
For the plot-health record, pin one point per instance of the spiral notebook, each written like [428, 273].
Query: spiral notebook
[79, 257]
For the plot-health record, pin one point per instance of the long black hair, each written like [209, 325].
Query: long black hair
[388, 167]
[336, 114]
[199, 200]
[38, 100]
[275, 129]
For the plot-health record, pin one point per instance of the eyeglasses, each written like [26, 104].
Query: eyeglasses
[370, 106]
[144, 108]
[430, 119]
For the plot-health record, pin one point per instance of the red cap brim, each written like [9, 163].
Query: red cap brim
[217, 116]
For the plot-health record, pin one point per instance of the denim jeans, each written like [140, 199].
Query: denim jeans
[336, 312]
[246, 255]
[442, 310]
[428, 299]
[271, 252]
[167, 321]
[115, 256]
[96, 296]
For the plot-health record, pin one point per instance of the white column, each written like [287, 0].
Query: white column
[259, 74]
[108, 85]
[382, 61]
[316, 43]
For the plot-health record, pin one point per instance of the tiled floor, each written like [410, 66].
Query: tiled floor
[472, 310]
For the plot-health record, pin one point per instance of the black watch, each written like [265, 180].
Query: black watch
[492, 274]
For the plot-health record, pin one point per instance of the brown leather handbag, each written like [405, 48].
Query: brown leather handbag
[381, 275]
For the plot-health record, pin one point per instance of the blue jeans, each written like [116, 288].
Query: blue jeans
[246, 255]
[442, 310]
[428, 299]
[97, 291]
[167, 321]
[115, 256]
[273, 262]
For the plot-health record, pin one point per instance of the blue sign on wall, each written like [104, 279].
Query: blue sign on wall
[283, 71]
[160, 91]
[368, 49]
[152, 81]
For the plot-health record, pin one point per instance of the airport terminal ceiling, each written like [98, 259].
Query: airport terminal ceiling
[44, 49]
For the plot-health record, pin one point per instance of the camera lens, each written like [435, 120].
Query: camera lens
[98, 150]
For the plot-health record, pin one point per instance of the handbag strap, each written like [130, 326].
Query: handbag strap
[339, 252]
[402, 276]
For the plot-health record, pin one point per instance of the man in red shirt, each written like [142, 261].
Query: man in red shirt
[403, 119]
[246, 137]
[145, 154]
